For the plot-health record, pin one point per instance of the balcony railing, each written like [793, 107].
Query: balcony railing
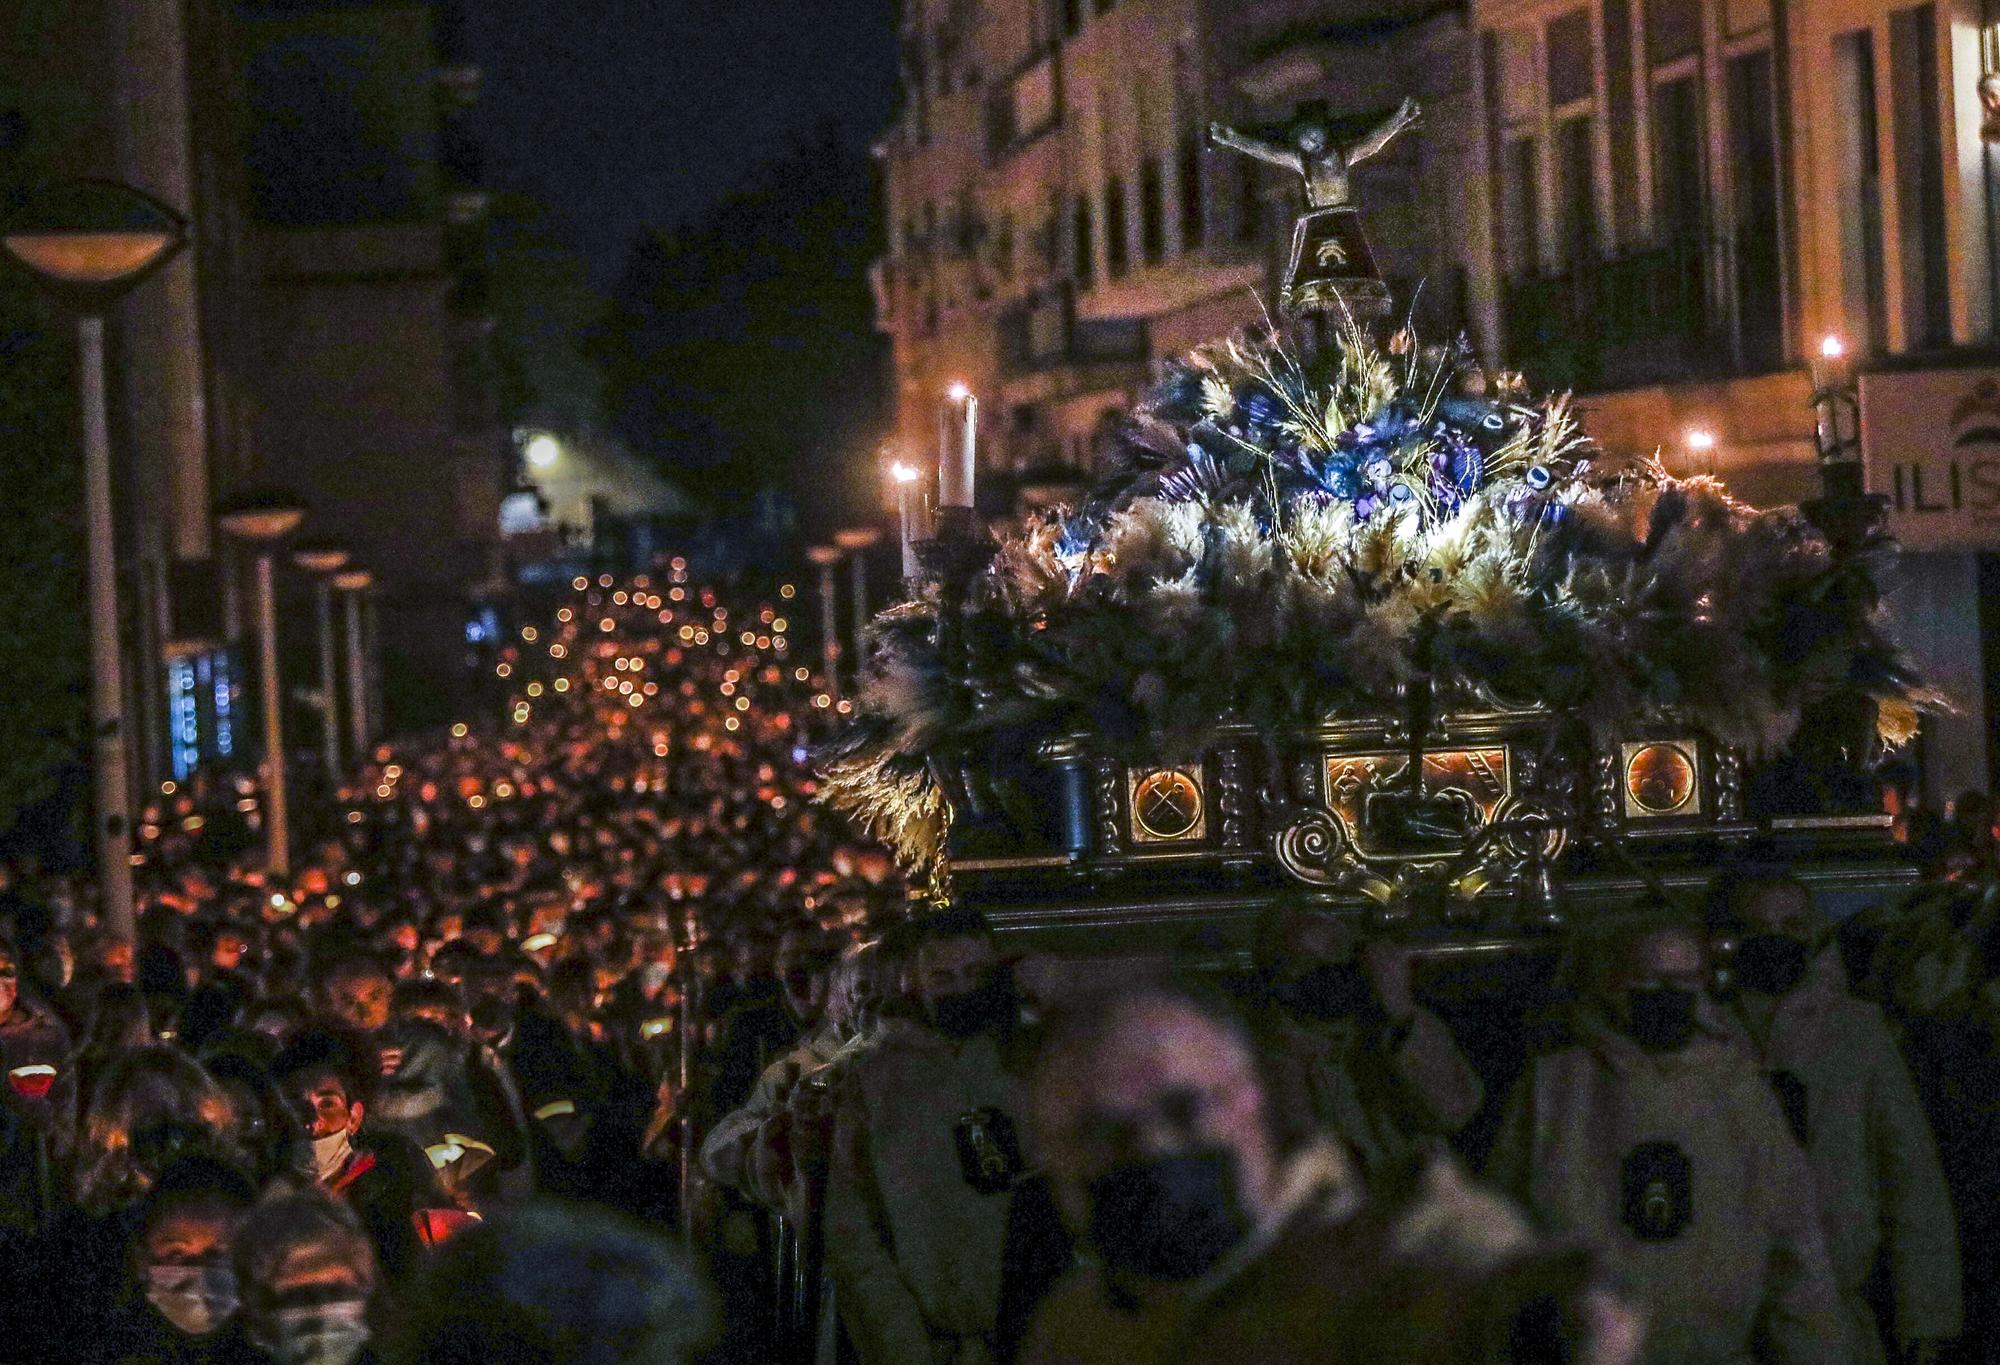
[1044, 333]
[1642, 318]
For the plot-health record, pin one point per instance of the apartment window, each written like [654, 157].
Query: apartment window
[946, 44]
[1571, 75]
[1117, 249]
[1622, 122]
[1083, 243]
[1920, 230]
[1865, 297]
[1193, 209]
[1758, 253]
[1153, 210]
[1003, 248]
[1678, 184]
[1673, 30]
[1520, 199]
[1576, 191]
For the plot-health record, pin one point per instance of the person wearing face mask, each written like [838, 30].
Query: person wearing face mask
[181, 1307]
[1848, 1097]
[1655, 1140]
[35, 1049]
[307, 1276]
[384, 1177]
[750, 1149]
[926, 1161]
[1209, 1239]
[1348, 1044]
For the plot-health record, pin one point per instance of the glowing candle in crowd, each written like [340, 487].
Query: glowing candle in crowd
[957, 460]
[906, 511]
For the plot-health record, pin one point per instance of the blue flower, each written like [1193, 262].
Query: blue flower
[1074, 540]
[1260, 410]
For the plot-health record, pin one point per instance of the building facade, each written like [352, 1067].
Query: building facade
[377, 403]
[1661, 205]
[324, 331]
[1057, 223]
[1690, 196]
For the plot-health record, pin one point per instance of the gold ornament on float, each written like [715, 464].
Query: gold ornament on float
[1662, 779]
[1168, 807]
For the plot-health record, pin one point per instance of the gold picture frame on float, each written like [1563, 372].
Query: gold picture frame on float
[1660, 779]
[1168, 805]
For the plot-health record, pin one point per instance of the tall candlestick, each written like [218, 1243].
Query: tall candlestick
[956, 464]
[906, 511]
[1831, 366]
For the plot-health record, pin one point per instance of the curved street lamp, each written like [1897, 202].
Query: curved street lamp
[355, 583]
[856, 541]
[87, 243]
[322, 560]
[824, 558]
[261, 521]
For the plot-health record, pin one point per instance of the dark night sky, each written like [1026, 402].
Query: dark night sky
[619, 114]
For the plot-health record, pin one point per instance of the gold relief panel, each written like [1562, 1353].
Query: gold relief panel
[1660, 778]
[1463, 792]
[1168, 805]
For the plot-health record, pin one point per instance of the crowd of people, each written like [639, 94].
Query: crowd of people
[585, 1035]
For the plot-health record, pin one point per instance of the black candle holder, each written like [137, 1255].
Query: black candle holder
[953, 560]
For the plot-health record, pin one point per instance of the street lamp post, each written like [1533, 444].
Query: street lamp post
[88, 242]
[856, 542]
[355, 583]
[323, 562]
[824, 558]
[261, 522]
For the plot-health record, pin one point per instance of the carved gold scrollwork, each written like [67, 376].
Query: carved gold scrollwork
[1312, 848]
[1109, 802]
[1233, 797]
[1728, 785]
[1605, 789]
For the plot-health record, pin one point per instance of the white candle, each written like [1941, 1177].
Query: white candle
[1832, 368]
[906, 510]
[956, 466]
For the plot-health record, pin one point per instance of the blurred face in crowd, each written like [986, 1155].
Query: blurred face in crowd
[1155, 1132]
[872, 865]
[1778, 929]
[183, 1265]
[114, 957]
[1317, 973]
[227, 955]
[10, 983]
[313, 1305]
[436, 1012]
[802, 972]
[1658, 988]
[360, 1000]
[324, 1107]
[964, 987]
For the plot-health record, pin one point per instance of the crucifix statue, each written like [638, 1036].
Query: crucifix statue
[1331, 264]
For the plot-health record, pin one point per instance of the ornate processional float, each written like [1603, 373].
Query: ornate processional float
[1350, 620]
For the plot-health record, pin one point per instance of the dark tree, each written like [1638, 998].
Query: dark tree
[741, 353]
